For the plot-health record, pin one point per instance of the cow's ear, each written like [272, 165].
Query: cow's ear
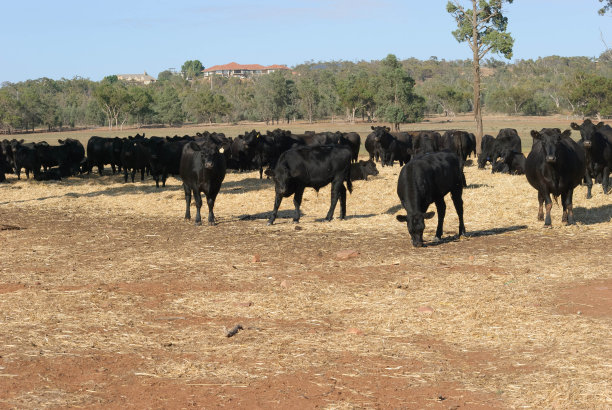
[269, 172]
[194, 146]
[566, 134]
[362, 162]
[575, 126]
[429, 215]
[60, 141]
[600, 124]
[535, 135]
[402, 218]
[21, 141]
[372, 127]
[388, 129]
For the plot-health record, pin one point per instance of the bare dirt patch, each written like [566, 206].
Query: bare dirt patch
[109, 298]
[591, 299]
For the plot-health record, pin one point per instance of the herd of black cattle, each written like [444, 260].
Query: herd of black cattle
[432, 164]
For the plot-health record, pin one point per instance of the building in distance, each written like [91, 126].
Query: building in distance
[241, 70]
[137, 78]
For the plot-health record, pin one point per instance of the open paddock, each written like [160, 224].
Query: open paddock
[109, 298]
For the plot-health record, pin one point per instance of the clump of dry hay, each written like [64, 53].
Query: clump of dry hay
[493, 329]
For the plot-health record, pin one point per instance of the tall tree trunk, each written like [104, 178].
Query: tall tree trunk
[476, 65]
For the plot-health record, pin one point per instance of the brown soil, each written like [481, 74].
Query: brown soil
[109, 299]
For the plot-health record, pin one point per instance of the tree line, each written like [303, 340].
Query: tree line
[388, 90]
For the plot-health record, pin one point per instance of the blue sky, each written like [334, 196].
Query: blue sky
[94, 39]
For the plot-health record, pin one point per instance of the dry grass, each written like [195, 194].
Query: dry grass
[106, 268]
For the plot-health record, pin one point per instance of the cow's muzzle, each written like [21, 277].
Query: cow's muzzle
[551, 159]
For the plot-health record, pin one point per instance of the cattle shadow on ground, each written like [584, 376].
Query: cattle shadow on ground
[347, 217]
[393, 209]
[246, 185]
[592, 216]
[475, 186]
[477, 234]
[282, 214]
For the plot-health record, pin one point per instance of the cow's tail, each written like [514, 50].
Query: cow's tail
[349, 184]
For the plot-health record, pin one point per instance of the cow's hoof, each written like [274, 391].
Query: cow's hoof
[198, 223]
[269, 223]
[589, 196]
[211, 223]
[436, 239]
[296, 221]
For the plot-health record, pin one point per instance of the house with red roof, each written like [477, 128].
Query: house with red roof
[241, 70]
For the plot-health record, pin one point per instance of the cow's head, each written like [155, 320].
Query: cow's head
[416, 226]
[550, 138]
[368, 167]
[587, 131]
[207, 153]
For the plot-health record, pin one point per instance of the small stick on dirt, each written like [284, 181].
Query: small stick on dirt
[234, 330]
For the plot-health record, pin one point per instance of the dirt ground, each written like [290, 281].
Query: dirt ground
[108, 299]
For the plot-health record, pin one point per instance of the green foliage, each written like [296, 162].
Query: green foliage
[191, 69]
[203, 105]
[395, 96]
[168, 106]
[590, 94]
[490, 27]
[607, 6]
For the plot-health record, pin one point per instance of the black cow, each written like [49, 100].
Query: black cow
[273, 145]
[134, 157]
[353, 140]
[597, 141]
[313, 167]
[426, 141]
[393, 146]
[555, 165]
[67, 156]
[165, 158]
[25, 156]
[372, 146]
[362, 169]
[486, 146]
[426, 179]
[244, 150]
[510, 162]
[507, 139]
[104, 151]
[202, 169]
[4, 164]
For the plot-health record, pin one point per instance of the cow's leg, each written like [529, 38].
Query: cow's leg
[342, 202]
[335, 194]
[297, 201]
[441, 209]
[548, 201]
[589, 182]
[605, 182]
[142, 172]
[570, 208]
[187, 201]
[133, 173]
[114, 169]
[18, 171]
[164, 178]
[210, 201]
[458, 202]
[564, 204]
[198, 202]
[541, 206]
[277, 202]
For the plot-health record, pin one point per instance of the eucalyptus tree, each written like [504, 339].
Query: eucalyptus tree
[483, 27]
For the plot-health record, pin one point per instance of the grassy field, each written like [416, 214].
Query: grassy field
[492, 124]
[108, 298]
